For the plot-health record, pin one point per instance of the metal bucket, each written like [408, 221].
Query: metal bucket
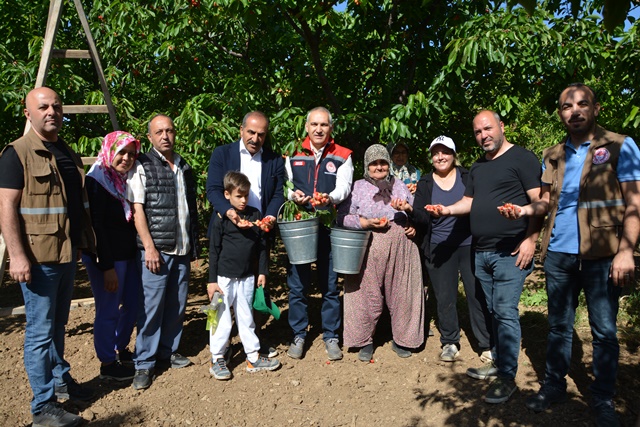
[300, 239]
[348, 248]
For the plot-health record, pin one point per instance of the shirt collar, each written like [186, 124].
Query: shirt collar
[570, 145]
[176, 156]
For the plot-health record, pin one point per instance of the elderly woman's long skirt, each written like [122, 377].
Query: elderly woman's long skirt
[391, 273]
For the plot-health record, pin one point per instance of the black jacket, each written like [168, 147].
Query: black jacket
[420, 217]
[115, 236]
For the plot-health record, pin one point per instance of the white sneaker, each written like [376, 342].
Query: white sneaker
[449, 353]
[486, 356]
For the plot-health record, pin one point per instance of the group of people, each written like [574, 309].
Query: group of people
[134, 219]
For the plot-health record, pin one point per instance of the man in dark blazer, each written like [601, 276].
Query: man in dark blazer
[264, 168]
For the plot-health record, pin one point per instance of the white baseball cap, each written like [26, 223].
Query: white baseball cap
[443, 140]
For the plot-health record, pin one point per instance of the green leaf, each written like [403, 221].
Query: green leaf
[615, 13]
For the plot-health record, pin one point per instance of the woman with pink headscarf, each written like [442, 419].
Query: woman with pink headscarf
[114, 275]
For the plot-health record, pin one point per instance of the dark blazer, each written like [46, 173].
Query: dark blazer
[226, 158]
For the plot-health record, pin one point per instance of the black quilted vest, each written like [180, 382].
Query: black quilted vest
[161, 205]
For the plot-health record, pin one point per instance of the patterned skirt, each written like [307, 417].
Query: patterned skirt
[391, 273]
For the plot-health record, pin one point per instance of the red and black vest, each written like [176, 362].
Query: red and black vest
[309, 177]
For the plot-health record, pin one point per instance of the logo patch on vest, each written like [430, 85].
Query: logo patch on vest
[600, 156]
[298, 163]
[331, 167]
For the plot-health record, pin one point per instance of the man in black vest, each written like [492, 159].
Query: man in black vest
[162, 190]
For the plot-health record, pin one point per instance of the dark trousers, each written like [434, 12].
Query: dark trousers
[567, 275]
[299, 280]
[445, 265]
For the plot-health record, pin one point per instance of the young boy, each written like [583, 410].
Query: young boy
[235, 253]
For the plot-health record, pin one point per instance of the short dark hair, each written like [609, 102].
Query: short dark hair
[254, 113]
[582, 86]
[236, 180]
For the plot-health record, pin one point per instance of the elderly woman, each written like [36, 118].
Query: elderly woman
[400, 167]
[114, 275]
[446, 249]
[391, 270]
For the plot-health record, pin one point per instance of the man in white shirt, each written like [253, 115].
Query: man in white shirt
[257, 161]
[322, 166]
[163, 192]
[252, 156]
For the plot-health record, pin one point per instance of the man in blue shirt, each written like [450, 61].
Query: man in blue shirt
[591, 231]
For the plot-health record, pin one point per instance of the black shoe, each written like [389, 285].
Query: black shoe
[124, 356]
[605, 413]
[142, 379]
[267, 351]
[179, 361]
[74, 391]
[228, 354]
[400, 351]
[366, 353]
[52, 415]
[116, 371]
[545, 398]
[176, 361]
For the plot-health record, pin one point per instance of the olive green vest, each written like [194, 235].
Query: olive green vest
[43, 208]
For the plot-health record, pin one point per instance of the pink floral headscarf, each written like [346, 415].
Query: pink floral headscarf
[102, 171]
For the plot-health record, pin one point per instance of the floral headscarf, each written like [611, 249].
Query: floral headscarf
[102, 171]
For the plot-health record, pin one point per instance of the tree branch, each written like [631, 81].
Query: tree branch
[412, 63]
[244, 57]
[383, 47]
[222, 48]
[312, 38]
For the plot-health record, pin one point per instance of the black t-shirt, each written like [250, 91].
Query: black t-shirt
[493, 183]
[236, 252]
[11, 170]
[12, 176]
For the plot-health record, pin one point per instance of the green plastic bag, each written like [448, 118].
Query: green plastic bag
[263, 304]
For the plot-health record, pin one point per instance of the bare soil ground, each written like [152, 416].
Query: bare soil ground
[418, 391]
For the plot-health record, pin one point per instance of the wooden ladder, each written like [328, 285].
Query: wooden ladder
[48, 52]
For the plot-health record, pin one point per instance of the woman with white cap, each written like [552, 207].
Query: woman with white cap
[391, 271]
[446, 249]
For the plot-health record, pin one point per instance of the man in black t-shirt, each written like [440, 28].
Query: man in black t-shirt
[44, 219]
[504, 248]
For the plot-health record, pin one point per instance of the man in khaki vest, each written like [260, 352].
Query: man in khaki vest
[590, 234]
[44, 219]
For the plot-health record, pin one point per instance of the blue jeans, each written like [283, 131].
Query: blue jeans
[502, 284]
[299, 279]
[161, 311]
[567, 274]
[116, 312]
[47, 300]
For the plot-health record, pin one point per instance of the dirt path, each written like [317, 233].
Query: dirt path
[418, 391]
